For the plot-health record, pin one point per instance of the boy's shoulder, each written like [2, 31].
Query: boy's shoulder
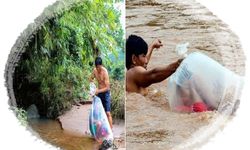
[136, 70]
[104, 69]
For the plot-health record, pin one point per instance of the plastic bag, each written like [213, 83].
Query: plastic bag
[181, 50]
[200, 84]
[99, 125]
[92, 88]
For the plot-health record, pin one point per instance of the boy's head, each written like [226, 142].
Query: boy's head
[136, 51]
[98, 63]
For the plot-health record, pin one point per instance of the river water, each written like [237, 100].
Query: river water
[51, 132]
[70, 134]
[149, 122]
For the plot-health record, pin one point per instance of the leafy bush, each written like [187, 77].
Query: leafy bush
[53, 72]
[117, 99]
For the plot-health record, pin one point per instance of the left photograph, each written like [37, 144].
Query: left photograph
[65, 75]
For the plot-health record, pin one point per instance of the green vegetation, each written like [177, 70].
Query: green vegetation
[21, 115]
[118, 99]
[53, 72]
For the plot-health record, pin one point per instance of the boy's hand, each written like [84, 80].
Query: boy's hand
[179, 61]
[157, 43]
[176, 64]
[91, 78]
[96, 92]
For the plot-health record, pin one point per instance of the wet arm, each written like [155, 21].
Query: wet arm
[150, 50]
[147, 77]
[155, 44]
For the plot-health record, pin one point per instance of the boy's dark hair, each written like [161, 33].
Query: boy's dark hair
[135, 45]
[98, 61]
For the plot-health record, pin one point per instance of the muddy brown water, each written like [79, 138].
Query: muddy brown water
[69, 131]
[149, 122]
[51, 132]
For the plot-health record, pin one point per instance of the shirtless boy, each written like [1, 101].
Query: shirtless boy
[138, 54]
[100, 73]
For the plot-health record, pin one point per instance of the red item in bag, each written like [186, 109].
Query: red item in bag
[199, 107]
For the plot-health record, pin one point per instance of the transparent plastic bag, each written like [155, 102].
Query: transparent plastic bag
[200, 84]
[181, 50]
[92, 88]
[98, 123]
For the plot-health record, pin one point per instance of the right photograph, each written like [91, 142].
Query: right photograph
[184, 74]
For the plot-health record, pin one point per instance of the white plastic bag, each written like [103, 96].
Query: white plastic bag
[99, 125]
[181, 50]
[203, 81]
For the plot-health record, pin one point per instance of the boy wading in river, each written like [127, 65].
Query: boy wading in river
[138, 54]
[100, 73]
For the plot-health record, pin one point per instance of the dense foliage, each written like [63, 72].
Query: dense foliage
[53, 72]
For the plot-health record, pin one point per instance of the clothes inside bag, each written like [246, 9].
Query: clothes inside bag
[99, 125]
[201, 83]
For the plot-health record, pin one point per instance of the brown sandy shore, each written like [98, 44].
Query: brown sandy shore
[149, 122]
[75, 121]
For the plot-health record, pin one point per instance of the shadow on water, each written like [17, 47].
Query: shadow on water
[51, 131]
